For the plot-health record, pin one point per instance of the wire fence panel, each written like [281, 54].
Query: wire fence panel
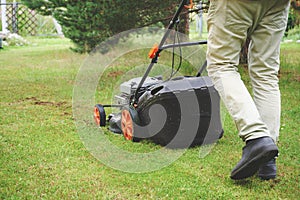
[20, 19]
[24, 21]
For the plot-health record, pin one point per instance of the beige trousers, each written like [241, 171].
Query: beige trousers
[230, 22]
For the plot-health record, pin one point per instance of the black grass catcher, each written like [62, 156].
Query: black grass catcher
[180, 112]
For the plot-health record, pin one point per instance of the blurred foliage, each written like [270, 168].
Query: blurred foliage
[294, 34]
[294, 15]
[88, 23]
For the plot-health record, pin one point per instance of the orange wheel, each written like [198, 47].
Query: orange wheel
[127, 125]
[99, 115]
[96, 116]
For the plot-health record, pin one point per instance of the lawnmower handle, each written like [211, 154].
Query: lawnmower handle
[163, 40]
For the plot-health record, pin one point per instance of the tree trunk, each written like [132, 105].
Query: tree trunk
[244, 53]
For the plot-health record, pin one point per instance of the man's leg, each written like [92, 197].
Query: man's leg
[263, 57]
[228, 24]
[263, 70]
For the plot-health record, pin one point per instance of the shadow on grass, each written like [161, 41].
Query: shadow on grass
[255, 181]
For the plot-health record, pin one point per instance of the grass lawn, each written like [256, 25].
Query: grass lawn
[42, 156]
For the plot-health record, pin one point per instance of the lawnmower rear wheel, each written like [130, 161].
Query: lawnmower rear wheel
[99, 115]
[127, 125]
[129, 121]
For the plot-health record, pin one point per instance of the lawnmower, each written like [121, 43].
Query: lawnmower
[179, 112]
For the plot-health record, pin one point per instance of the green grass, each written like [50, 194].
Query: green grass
[43, 157]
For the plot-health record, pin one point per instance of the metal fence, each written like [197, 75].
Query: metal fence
[21, 20]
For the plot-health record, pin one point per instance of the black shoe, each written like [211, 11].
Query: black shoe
[256, 153]
[268, 170]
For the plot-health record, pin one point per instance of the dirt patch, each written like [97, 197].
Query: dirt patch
[115, 74]
[36, 101]
[48, 103]
[30, 99]
[294, 76]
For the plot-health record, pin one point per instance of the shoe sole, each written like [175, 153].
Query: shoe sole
[266, 178]
[252, 166]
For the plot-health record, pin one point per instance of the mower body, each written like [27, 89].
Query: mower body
[189, 108]
[179, 113]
